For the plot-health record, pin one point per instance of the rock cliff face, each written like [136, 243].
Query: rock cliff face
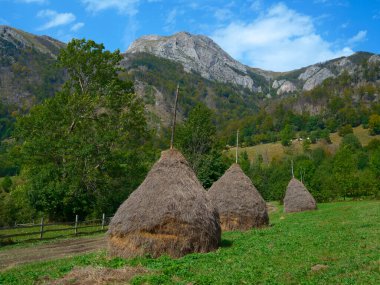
[317, 78]
[284, 86]
[374, 59]
[199, 54]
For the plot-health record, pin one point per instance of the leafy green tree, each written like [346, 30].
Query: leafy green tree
[375, 162]
[15, 207]
[373, 144]
[351, 142]
[374, 124]
[6, 184]
[344, 170]
[345, 130]
[196, 138]
[81, 149]
[287, 134]
[306, 145]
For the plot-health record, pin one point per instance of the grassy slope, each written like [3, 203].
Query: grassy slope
[343, 236]
[272, 151]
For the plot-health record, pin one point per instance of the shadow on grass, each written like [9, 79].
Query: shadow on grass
[226, 243]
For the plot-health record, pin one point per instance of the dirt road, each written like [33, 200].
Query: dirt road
[54, 250]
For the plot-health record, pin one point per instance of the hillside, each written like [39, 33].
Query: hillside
[28, 73]
[271, 151]
[340, 90]
[207, 74]
[27, 67]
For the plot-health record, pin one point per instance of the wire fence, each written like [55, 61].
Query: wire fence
[43, 230]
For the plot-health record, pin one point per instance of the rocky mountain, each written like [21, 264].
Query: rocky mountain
[198, 54]
[27, 68]
[156, 64]
[306, 79]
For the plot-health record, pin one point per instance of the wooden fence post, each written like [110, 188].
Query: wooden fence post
[76, 225]
[42, 228]
[103, 220]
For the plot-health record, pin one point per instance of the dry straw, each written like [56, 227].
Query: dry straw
[169, 213]
[239, 204]
[297, 198]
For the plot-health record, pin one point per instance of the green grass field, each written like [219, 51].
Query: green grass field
[337, 244]
[270, 151]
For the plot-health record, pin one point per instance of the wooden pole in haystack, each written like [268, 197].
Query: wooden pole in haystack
[292, 170]
[174, 118]
[237, 145]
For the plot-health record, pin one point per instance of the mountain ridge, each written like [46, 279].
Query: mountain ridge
[198, 53]
[206, 73]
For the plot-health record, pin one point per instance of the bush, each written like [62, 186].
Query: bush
[374, 124]
[345, 130]
[6, 184]
[351, 142]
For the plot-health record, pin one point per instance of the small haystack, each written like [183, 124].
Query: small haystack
[169, 213]
[240, 205]
[297, 198]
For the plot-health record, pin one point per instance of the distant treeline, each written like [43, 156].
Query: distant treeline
[352, 172]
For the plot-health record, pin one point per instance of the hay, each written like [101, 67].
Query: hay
[169, 213]
[297, 198]
[240, 205]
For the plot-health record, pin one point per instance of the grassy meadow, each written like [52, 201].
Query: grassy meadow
[337, 244]
[270, 151]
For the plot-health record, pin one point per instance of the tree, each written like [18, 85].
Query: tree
[345, 130]
[351, 142]
[286, 135]
[374, 124]
[345, 166]
[81, 149]
[6, 184]
[196, 138]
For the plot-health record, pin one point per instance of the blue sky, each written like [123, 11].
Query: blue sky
[273, 35]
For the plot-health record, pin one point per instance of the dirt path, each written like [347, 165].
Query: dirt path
[59, 249]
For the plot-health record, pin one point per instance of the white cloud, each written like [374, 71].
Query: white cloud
[256, 5]
[171, 19]
[55, 19]
[223, 14]
[359, 37]
[76, 27]
[3, 21]
[123, 6]
[280, 39]
[345, 25]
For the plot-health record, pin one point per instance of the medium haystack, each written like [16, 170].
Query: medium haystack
[240, 205]
[297, 198]
[169, 213]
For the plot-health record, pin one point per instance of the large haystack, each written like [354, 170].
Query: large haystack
[240, 205]
[169, 213]
[297, 198]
